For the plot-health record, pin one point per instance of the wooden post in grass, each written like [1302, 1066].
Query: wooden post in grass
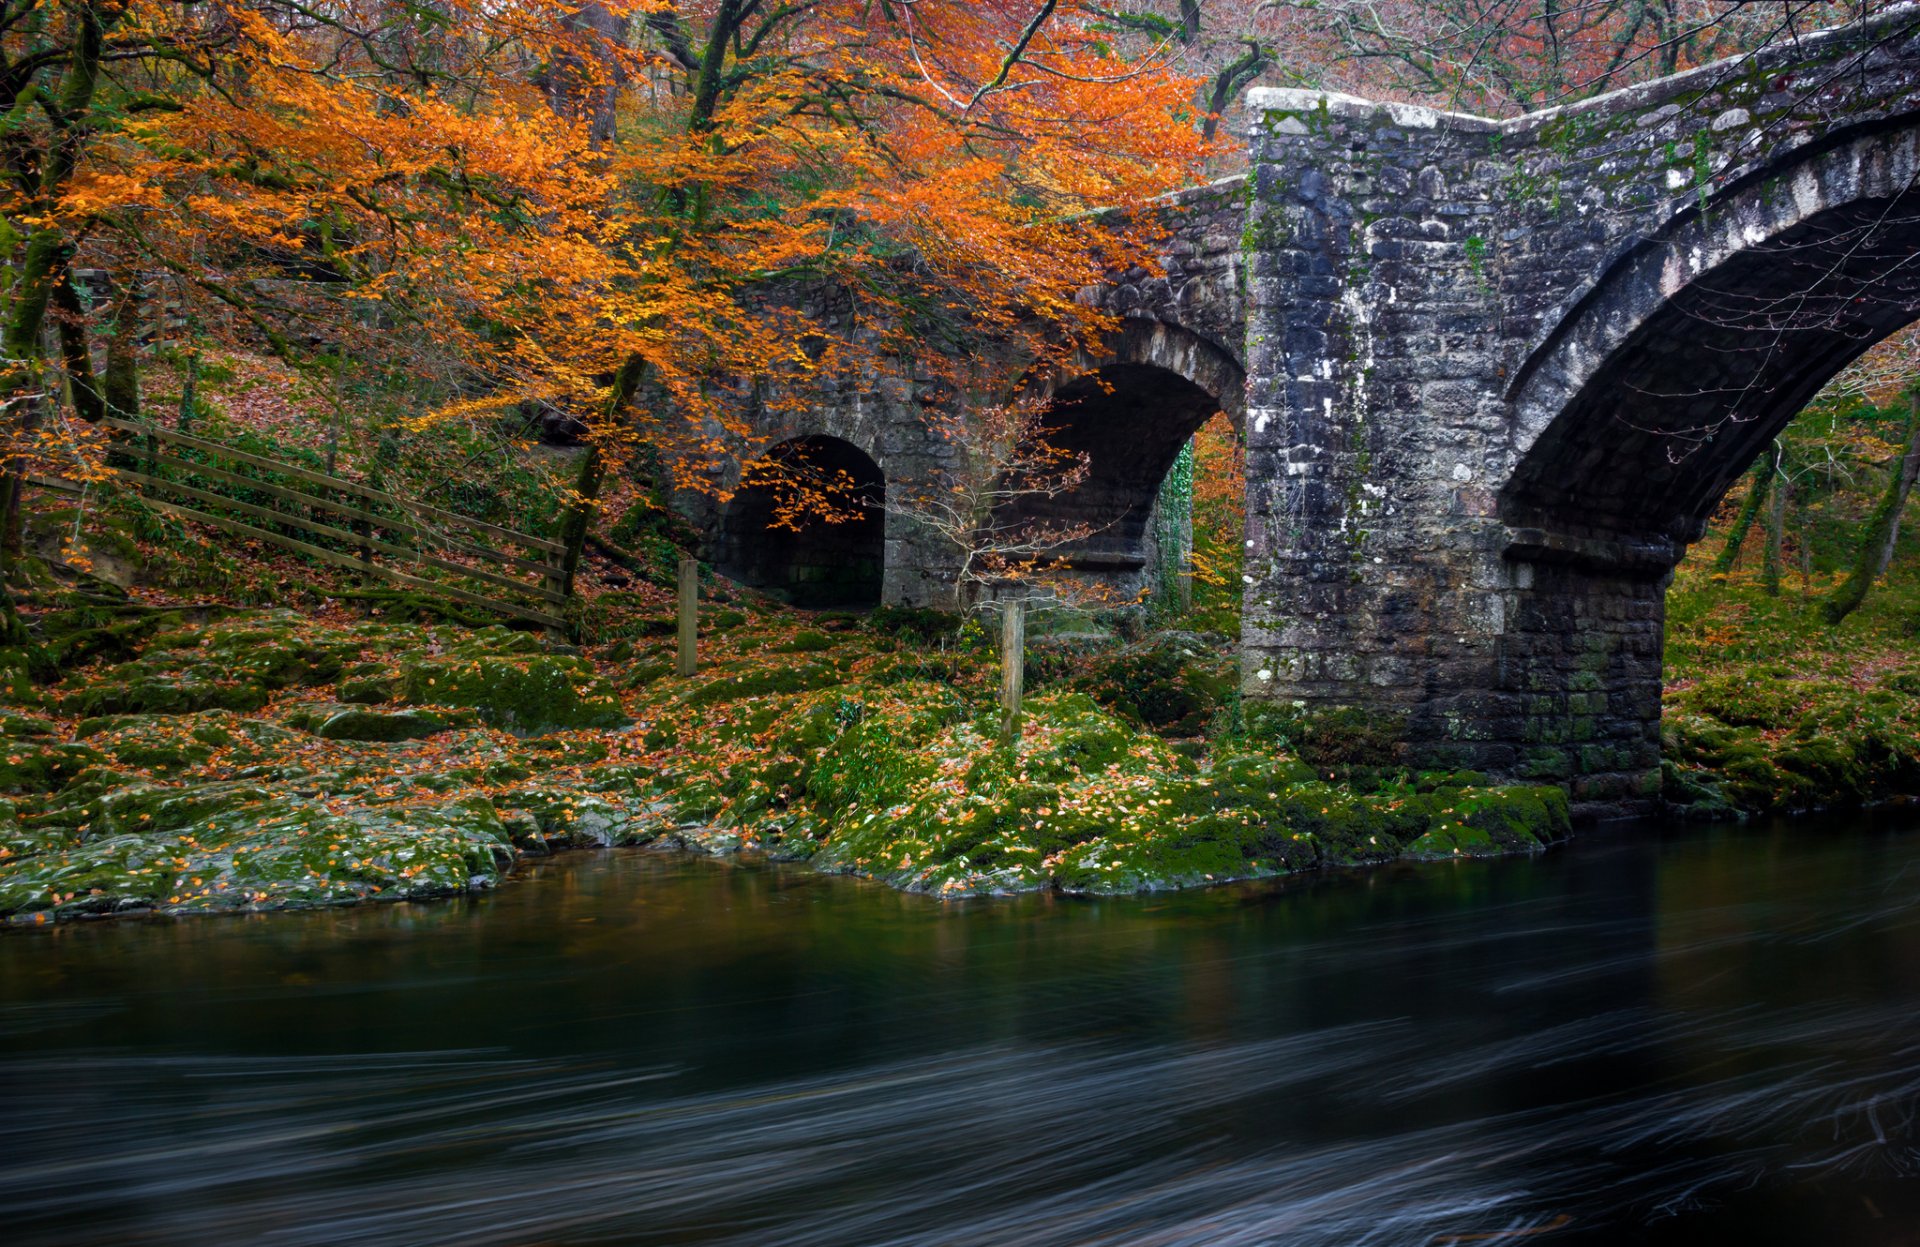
[1013, 662]
[689, 616]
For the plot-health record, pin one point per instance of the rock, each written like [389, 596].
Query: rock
[528, 695]
[374, 725]
[40, 766]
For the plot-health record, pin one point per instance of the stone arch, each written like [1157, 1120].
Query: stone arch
[1671, 373]
[1130, 409]
[1149, 343]
[798, 555]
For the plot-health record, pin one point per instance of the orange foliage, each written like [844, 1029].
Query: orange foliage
[427, 184]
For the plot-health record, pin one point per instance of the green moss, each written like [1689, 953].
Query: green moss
[757, 680]
[38, 765]
[805, 641]
[370, 725]
[528, 695]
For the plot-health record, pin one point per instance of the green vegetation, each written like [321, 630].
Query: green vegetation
[1770, 704]
[264, 760]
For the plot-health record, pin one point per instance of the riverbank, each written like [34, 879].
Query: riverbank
[193, 760]
[262, 760]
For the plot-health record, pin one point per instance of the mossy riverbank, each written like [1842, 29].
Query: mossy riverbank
[265, 760]
[1769, 709]
[180, 761]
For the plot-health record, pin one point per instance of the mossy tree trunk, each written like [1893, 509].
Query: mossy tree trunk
[1881, 531]
[70, 317]
[43, 261]
[1776, 536]
[120, 386]
[586, 486]
[1757, 493]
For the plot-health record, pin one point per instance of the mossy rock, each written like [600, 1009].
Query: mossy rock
[647, 671]
[40, 765]
[760, 680]
[1695, 794]
[870, 765]
[368, 684]
[1752, 700]
[25, 727]
[1068, 734]
[569, 819]
[1336, 739]
[917, 623]
[172, 693]
[1480, 822]
[171, 743]
[375, 726]
[528, 695]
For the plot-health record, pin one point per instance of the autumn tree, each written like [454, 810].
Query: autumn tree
[588, 208]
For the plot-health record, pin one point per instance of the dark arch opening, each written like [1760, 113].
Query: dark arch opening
[1702, 385]
[1130, 421]
[807, 525]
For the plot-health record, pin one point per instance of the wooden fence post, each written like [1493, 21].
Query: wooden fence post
[689, 616]
[1013, 664]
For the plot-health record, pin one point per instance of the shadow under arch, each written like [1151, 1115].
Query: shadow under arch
[776, 536]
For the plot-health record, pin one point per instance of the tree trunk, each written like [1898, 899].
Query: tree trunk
[584, 86]
[586, 486]
[1776, 537]
[1757, 492]
[70, 318]
[1881, 531]
[121, 384]
[42, 264]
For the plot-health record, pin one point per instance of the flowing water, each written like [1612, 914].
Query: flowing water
[1699, 1038]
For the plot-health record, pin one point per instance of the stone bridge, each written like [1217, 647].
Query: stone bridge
[1494, 377]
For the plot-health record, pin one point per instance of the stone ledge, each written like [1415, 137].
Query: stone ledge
[1637, 556]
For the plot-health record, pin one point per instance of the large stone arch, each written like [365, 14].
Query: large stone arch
[1670, 373]
[1149, 342]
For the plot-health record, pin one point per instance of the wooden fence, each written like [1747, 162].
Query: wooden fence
[342, 522]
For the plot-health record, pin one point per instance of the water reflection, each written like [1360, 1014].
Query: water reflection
[1706, 1038]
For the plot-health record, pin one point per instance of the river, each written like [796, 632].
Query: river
[1693, 1037]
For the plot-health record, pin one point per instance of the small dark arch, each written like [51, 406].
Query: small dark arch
[772, 540]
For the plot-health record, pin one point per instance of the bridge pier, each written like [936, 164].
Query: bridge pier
[1381, 573]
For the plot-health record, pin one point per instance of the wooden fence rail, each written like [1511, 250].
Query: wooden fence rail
[342, 522]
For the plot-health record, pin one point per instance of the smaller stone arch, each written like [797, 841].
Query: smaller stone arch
[1129, 410]
[812, 557]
